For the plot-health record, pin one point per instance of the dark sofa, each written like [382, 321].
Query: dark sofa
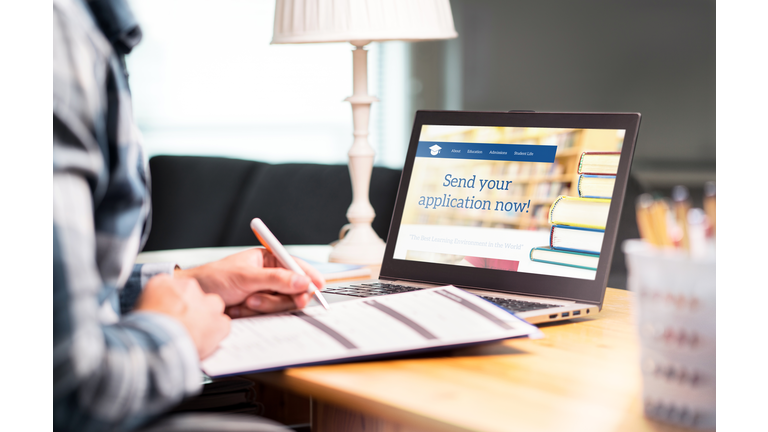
[210, 201]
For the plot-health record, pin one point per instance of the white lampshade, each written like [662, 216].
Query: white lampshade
[308, 21]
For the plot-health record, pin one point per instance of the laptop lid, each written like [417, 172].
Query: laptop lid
[484, 197]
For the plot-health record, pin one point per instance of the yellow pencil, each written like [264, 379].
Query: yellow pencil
[644, 220]
[659, 214]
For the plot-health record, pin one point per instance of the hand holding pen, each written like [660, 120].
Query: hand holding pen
[271, 243]
[254, 282]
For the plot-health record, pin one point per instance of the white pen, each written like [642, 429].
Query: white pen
[271, 243]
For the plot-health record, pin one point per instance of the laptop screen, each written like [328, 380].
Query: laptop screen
[517, 199]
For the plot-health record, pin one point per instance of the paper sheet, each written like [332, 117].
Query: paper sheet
[430, 318]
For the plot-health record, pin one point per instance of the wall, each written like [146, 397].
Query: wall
[653, 57]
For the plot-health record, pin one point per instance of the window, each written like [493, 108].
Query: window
[206, 81]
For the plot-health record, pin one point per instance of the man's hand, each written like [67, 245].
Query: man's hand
[202, 314]
[253, 282]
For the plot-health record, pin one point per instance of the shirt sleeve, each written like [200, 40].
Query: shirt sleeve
[109, 372]
[139, 277]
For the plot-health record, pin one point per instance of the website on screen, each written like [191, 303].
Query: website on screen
[531, 200]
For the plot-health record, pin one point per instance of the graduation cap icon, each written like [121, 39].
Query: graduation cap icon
[435, 149]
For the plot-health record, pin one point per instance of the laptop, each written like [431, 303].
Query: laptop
[519, 208]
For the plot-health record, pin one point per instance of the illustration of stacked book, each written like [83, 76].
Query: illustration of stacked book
[578, 223]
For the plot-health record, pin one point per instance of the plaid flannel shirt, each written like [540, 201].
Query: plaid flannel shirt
[112, 369]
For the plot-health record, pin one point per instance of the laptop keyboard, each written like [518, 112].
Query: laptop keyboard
[518, 305]
[379, 288]
[370, 289]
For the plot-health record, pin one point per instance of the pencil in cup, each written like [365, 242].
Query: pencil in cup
[666, 223]
[660, 216]
[709, 207]
[682, 205]
[646, 221]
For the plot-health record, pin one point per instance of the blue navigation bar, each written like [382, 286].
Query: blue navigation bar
[497, 152]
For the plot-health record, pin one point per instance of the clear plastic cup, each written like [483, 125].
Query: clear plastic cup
[675, 317]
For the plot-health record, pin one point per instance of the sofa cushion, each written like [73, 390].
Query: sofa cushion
[209, 201]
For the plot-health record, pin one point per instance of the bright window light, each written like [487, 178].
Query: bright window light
[206, 81]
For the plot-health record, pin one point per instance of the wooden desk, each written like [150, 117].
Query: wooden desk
[583, 376]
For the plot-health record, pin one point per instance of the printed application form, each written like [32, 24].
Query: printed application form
[429, 318]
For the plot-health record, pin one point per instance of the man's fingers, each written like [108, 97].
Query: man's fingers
[215, 302]
[262, 303]
[301, 300]
[267, 303]
[239, 312]
[220, 329]
[270, 261]
[278, 280]
[308, 269]
[183, 299]
[315, 275]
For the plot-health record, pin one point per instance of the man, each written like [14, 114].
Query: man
[128, 338]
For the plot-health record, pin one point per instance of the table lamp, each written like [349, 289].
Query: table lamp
[360, 22]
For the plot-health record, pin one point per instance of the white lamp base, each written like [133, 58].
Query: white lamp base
[360, 245]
